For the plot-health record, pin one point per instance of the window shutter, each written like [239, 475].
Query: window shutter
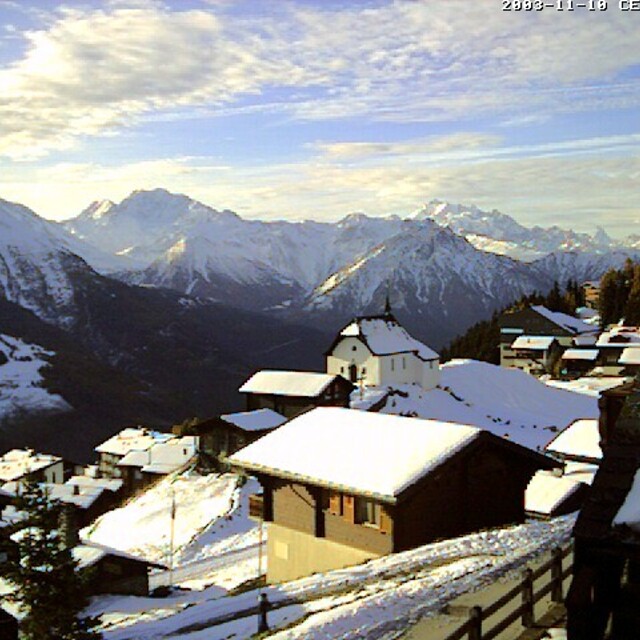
[349, 508]
[335, 503]
[386, 521]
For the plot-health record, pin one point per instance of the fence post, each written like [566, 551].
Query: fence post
[527, 599]
[556, 576]
[475, 623]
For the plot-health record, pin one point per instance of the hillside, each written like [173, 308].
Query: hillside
[507, 402]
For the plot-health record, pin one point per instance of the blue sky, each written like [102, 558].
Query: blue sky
[315, 109]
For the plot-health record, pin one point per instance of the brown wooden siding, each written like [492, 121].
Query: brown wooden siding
[294, 507]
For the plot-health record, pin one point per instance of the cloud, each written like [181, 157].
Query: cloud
[578, 184]
[88, 71]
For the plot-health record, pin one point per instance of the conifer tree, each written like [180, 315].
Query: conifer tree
[632, 306]
[48, 589]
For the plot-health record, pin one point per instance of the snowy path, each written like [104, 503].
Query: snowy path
[201, 569]
[378, 599]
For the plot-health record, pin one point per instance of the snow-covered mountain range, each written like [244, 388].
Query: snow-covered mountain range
[220, 293]
[445, 266]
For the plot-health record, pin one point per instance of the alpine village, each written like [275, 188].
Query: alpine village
[319, 320]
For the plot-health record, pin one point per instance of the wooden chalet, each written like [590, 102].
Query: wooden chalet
[113, 571]
[577, 362]
[536, 355]
[612, 345]
[112, 451]
[604, 597]
[290, 393]
[20, 466]
[342, 486]
[537, 321]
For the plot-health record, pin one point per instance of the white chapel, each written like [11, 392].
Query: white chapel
[378, 351]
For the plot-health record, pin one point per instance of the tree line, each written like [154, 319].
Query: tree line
[620, 295]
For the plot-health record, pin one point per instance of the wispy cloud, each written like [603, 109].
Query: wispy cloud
[580, 183]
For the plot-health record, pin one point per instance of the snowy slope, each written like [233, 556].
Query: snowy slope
[21, 380]
[143, 525]
[507, 402]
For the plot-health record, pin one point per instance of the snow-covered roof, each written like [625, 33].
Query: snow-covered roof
[89, 553]
[130, 439]
[580, 354]
[18, 463]
[170, 456]
[163, 457]
[563, 320]
[535, 343]
[581, 439]
[378, 454]
[619, 337]
[257, 420]
[385, 336]
[306, 384]
[547, 491]
[629, 512]
[585, 340]
[630, 355]
[108, 484]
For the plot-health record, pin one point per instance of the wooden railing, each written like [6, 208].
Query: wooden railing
[472, 629]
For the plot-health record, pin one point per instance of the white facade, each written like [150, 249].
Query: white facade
[353, 358]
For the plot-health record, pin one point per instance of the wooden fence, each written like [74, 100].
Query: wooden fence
[553, 574]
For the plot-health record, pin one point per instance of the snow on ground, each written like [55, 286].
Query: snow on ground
[143, 525]
[377, 599]
[588, 386]
[507, 402]
[20, 380]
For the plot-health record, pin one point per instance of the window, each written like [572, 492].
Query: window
[404, 362]
[341, 369]
[354, 348]
[364, 371]
[393, 364]
[335, 503]
[367, 512]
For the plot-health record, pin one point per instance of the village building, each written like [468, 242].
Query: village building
[140, 468]
[378, 351]
[88, 497]
[630, 361]
[342, 486]
[536, 355]
[21, 466]
[579, 442]
[113, 450]
[538, 321]
[551, 494]
[113, 571]
[290, 393]
[237, 430]
[605, 590]
[577, 362]
[611, 345]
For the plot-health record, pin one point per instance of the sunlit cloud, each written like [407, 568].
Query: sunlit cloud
[90, 71]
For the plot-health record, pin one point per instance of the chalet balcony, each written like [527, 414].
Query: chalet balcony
[256, 506]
